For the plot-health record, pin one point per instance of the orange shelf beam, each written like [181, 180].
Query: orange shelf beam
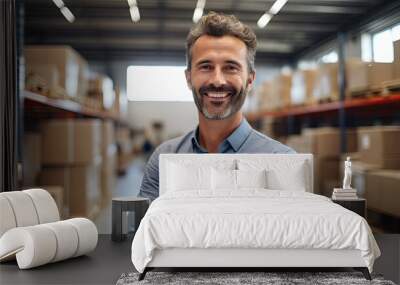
[327, 107]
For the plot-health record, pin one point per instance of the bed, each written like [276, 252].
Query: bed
[247, 210]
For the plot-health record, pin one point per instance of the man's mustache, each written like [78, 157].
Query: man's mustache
[223, 88]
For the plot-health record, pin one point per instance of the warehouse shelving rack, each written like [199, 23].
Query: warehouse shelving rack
[356, 112]
[40, 105]
[388, 102]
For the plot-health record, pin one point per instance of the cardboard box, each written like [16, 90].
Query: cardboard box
[363, 75]
[108, 174]
[396, 64]
[326, 82]
[326, 174]
[108, 135]
[379, 145]
[47, 72]
[325, 142]
[265, 96]
[281, 88]
[57, 192]
[60, 177]
[57, 142]
[302, 87]
[81, 184]
[102, 88]
[71, 141]
[87, 141]
[72, 68]
[383, 192]
[32, 158]
[85, 190]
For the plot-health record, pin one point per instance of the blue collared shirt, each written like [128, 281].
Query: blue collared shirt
[244, 139]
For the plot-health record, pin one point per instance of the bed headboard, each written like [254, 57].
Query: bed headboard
[287, 162]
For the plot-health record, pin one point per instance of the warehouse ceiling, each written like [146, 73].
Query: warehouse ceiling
[103, 29]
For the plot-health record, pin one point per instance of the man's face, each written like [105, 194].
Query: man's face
[219, 76]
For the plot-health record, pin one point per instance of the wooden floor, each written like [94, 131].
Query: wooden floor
[110, 259]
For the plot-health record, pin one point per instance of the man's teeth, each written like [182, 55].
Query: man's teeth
[218, 94]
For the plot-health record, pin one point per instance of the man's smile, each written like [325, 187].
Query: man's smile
[217, 95]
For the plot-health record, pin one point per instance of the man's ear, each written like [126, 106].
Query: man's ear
[250, 79]
[188, 78]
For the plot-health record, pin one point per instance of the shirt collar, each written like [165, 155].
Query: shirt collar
[235, 139]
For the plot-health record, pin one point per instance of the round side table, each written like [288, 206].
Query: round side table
[138, 205]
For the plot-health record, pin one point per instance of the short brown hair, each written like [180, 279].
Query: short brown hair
[218, 25]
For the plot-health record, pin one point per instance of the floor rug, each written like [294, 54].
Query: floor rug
[243, 278]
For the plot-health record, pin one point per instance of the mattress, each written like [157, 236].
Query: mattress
[251, 219]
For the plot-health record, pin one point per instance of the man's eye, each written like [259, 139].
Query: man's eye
[205, 67]
[232, 68]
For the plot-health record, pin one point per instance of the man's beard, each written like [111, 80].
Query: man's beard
[236, 101]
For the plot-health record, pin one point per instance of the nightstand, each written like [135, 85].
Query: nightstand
[358, 205]
[138, 205]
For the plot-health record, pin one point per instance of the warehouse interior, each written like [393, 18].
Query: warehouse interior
[327, 81]
[100, 84]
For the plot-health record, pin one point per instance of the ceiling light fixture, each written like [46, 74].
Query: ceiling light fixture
[59, 3]
[267, 16]
[198, 12]
[67, 14]
[277, 6]
[132, 3]
[135, 15]
[264, 20]
[134, 11]
[64, 10]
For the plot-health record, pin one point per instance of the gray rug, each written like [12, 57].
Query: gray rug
[229, 278]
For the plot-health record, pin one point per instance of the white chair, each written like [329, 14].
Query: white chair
[31, 230]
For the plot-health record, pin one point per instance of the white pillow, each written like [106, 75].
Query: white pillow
[278, 180]
[251, 178]
[282, 174]
[223, 179]
[183, 177]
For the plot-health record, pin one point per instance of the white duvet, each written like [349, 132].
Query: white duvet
[252, 218]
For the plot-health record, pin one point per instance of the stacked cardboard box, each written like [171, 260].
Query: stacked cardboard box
[376, 175]
[109, 157]
[364, 76]
[266, 100]
[101, 87]
[379, 146]
[383, 192]
[326, 83]
[324, 144]
[71, 155]
[281, 89]
[60, 66]
[302, 87]
[275, 94]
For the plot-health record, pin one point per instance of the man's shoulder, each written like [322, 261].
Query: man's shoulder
[173, 145]
[265, 144]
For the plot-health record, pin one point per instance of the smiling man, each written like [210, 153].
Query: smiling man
[220, 72]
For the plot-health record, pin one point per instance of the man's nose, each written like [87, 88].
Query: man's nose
[218, 77]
